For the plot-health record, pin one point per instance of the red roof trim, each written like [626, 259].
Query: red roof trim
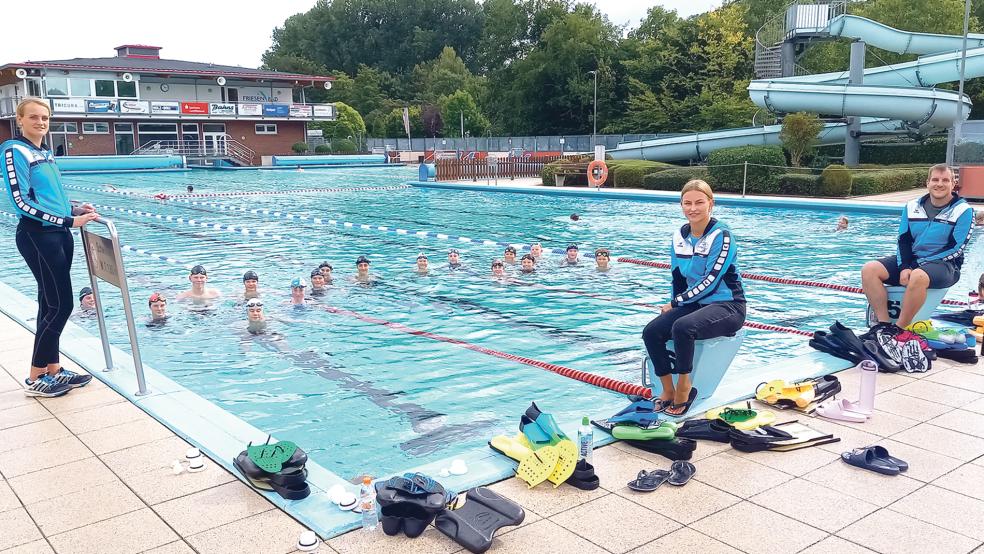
[162, 71]
[136, 46]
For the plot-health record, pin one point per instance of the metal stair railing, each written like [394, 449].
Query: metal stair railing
[770, 37]
[239, 151]
[228, 147]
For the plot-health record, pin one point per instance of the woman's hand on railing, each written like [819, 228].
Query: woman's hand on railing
[85, 208]
[80, 220]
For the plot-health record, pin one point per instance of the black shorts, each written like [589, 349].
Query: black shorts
[941, 274]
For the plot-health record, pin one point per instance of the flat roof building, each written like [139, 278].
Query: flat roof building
[138, 102]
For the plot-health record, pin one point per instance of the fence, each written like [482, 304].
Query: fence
[572, 143]
[491, 168]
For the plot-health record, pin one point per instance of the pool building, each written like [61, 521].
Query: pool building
[138, 102]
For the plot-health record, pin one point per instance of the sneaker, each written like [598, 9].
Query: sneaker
[72, 379]
[45, 386]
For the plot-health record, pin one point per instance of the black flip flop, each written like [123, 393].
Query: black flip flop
[865, 458]
[681, 472]
[882, 454]
[686, 405]
[648, 481]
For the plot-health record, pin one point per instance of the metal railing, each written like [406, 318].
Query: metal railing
[547, 143]
[104, 261]
[222, 148]
[802, 18]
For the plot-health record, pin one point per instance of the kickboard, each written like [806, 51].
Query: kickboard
[474, 524]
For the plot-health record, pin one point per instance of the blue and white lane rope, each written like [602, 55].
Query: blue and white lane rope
[349, 224]
[196, 223]
[128, 248]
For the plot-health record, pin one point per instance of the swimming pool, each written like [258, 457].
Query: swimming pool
[364, 397]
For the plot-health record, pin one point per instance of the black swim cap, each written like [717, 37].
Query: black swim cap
[315, 272]
[529, 257]
[571, 247]
[250, 276]
[361, 260]
[84, 292]
[326, 264]
[510, 249]
[453, 251]
[198, 270]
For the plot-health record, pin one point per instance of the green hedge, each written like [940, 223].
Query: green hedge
[889, 180]
[548, 171]
[322, 149]
[836, 180]
[299, 147]
[344, 146]
[630, 173]
[930, 151]
[798, 184]
[729, 178]
[674, 179]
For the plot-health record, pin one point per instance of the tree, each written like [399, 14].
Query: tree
[393, 123]
[461, 105]
[444, 75]
[348, 123]
[799, 134]
[430, 115]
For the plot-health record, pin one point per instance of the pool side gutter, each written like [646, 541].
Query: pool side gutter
[825, 204]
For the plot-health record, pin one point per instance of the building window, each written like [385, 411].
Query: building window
[80, 87]
[34, 87]
[127, 90]
[64, 127]
[150, 132]
[56, 86]
[95, 128]
[105, 88]
[266, 128]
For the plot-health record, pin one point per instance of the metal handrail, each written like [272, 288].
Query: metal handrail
[199, 148]
[776, 30]
[112, 268]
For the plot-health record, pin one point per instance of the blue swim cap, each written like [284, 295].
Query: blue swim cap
[298, 282]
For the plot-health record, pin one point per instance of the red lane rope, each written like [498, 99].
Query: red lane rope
[583, 376]
[781, 280]
[162, 196]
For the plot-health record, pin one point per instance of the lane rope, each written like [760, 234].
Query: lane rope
[164, 196]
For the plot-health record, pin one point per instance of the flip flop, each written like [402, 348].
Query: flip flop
[882, 454]
[865, 458]
[648, 481]
[681, 472]
[685, 406]
[841, 410]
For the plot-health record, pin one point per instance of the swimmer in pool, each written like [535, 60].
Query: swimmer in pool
[571, 255]
[509, 255]
[199, 290]
[318, 287]
[251, 282]
[158, 309]
[602, 258]
[536, 249]
[498, 269]
[575, 217]
[529, 263]
[421, 264]
[255, 320]
[190, 189]
[297, 287]
[454, 259]
[325, 269]
[842, 223]
[362, 270]
[87, 301]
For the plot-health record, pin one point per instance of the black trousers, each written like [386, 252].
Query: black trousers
[49, 255]
[684, 325]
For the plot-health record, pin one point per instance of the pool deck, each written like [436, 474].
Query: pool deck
[90, 472]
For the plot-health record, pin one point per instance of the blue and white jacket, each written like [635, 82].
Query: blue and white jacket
[33, 183]
[704, 269]
[944, 238]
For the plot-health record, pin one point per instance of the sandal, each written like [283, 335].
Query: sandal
[865, 458]
[683, 408]
[681, 472]
[648, 481]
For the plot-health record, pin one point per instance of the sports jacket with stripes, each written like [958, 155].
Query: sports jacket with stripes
[943, 238]
[33, 183]
[704, 269]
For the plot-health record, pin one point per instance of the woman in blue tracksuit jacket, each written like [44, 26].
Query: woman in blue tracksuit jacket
[708, 299]
[43, 238]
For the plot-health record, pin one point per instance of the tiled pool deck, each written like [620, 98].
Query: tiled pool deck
[89, 472]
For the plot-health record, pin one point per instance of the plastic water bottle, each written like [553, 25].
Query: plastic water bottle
[585, 440]
[367, 503]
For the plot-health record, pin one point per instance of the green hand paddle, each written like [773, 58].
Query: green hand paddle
[271, 457]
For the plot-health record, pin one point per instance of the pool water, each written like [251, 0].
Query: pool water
[361, 396]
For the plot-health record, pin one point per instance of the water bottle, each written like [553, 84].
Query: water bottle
[367, 503]
[585, 440]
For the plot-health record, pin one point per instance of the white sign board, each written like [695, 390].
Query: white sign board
[134, 106]
[599, 152]
[250, 109]
[324, 111]
[72, 105]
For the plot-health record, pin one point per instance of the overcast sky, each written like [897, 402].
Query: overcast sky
[221, 33]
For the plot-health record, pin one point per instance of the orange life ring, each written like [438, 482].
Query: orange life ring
[597, 173]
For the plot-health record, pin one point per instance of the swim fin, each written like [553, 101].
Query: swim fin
[534, 467]
[536, 425]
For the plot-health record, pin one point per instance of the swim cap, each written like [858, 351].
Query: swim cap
[84, 292]
[315, 272]
[536, 244]
[453, 251]
[298, 283]
[250, 276]
[603, 252]
[571, 247]
[326, 264]
[362, 260]
[156, 297]
[421, 256]
[510, 249]
[254, 303]
[575, 217]
[497, 262]
[198, 270]
[528, 257]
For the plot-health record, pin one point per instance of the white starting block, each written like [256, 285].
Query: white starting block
[895, 296]
[712, 357]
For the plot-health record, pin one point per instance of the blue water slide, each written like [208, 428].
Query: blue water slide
[892, 97]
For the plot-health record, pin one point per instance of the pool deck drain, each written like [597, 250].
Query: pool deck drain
[89, 472]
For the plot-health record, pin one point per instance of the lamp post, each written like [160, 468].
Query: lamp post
[594, 118]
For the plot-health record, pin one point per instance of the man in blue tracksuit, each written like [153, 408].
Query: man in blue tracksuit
[934, 231]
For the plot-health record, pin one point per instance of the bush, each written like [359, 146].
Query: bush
[299, 147]
[836, 180]
[760, 179]
[928, 152]
[799, 184]
[322, 149]
[344, 146]
[799, 135]
[889, 180]
[674, 179]
[549, 170]
[630, 173]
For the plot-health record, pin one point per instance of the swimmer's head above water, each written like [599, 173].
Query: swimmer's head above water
[602, 258]
[509, 254]
[317, 279]
[87, 301]
[571, 253]
[498, 268]
[158, 306]
[254, 310]
[362, 265]
[422, 263]
[198, 276]
[453, 256]
[529, 263]
[250, 281]
[326, 269]
[536, 249]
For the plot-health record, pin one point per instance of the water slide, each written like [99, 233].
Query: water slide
[892, 98]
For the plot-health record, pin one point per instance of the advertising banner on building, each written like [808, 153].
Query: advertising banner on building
[194, 108]
[73, 105]
[300, 110]
[215, 108]
[251, 109]
[101, 106]
[134, 106]
[276, 110]
[324, 111]
[164, 107]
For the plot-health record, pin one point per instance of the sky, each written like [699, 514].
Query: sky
[226, 33]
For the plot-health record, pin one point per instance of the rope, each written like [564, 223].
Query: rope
[781, 280]
[162, 196]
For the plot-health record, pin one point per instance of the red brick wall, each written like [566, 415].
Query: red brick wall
[288, 132]
[92, 144]
[5, 133]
